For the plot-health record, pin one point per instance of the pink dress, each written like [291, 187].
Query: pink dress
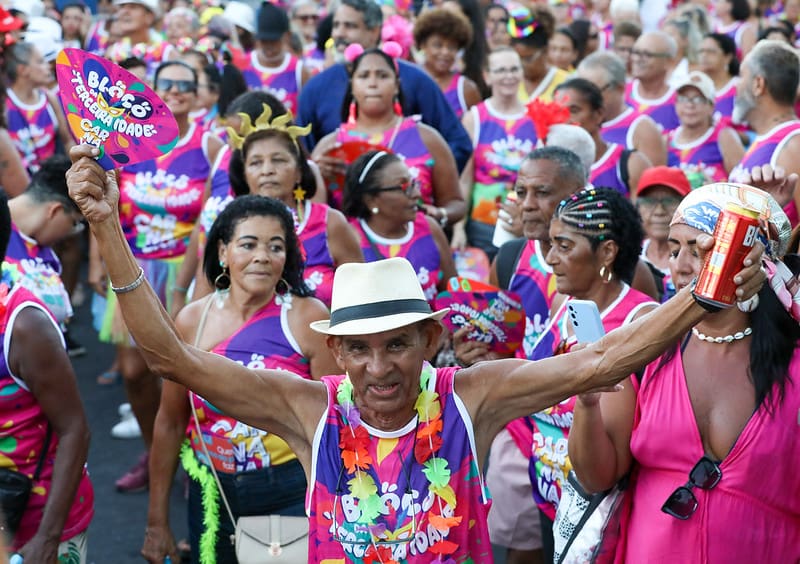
[752, 515]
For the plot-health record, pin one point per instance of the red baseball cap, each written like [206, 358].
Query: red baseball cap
[670, 177]
[9, 22]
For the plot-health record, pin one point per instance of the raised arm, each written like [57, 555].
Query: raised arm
[499, 391]
[272, 400]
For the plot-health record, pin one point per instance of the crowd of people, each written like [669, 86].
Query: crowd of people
[270, 284]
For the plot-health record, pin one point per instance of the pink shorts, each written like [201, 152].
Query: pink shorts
[513, 517]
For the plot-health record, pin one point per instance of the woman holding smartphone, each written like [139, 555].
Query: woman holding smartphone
[596, 239]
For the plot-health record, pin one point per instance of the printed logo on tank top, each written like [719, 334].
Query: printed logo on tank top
[509, 152]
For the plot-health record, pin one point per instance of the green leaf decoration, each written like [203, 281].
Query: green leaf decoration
[437, 472]
[362, 486]
[370, 509]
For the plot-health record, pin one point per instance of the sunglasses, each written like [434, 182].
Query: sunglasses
[408, 188]
[183, 86]
[682, 503]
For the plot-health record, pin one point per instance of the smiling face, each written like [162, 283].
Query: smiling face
[504, 73]
[650, 58]
[539, 189]
[271, 169]
[693, 109]
[171, 80]
[440, 54]
[255, 255]
[397, 197]
[575, 265]
[374, 85]
[684, 260]
[385, 370]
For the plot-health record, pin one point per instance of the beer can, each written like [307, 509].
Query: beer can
[734, 235]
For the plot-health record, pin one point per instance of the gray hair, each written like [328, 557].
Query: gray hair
[574, 138]
[373, 15]
[670, 45]
[18, 55]
[777, 63]
[621, 8]
[570, 168]
[302, 4]
[187, 14]
[608, 62]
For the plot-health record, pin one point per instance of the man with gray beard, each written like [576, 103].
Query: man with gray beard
[765, 98]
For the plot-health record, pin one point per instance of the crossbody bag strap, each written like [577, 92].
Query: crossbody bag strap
[197, 336]
[594, 503]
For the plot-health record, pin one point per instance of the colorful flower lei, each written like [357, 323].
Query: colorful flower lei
[354, 441]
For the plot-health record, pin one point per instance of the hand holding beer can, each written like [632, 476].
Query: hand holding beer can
[735, 234]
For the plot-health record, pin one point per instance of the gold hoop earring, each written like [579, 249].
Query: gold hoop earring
[223, 279]
[287, 287]
[606, 274]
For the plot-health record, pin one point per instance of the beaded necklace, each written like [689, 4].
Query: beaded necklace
[354, 441]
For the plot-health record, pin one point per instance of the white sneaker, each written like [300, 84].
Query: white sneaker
[128, 428]
[124, 410]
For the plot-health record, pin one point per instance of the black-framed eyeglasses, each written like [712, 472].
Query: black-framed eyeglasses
[409, 188]
[649, 54]
[682, 503]
[183, 86]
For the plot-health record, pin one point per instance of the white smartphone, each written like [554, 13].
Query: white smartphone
[585, 319]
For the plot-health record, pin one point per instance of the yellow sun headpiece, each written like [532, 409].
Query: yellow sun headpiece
[264, 122]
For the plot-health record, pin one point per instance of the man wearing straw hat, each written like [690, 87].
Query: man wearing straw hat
[393, 447]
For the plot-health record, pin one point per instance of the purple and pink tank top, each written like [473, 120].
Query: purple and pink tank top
[501, 142]
[661, 110]
[284, 81]
[418, 246]
[550, 461]
[406, 142]
[700, 159]
[161, 199]
[454, 94]
[607, 172]
[220, 195]
[313, 235]
[723, 103]
[38, 270]
[32, 128]
[766, 149]
[734, 30]
[264, 342]
[534, 282]
[23, 427]
[404, 489]
[621, 129]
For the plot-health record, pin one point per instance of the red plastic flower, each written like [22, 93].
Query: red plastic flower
[546, 114]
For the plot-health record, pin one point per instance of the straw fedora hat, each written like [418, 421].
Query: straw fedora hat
[375, 296]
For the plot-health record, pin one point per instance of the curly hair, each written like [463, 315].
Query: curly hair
[446, 23]
[602, 214]
[355, 187]
[245, 207]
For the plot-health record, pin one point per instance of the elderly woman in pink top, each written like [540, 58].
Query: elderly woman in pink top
[709, 429]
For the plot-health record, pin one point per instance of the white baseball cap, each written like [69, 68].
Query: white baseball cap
[241, 15]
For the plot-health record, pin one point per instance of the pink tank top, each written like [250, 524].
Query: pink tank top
[406, 142]
[700, 159]
[32, 128]
[551, 427]
[24, 427]
[662, 110]
[283, 82]
[752, 515]
[161, 199]
[403, 488]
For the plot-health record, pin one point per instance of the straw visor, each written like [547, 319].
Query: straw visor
[374, 297]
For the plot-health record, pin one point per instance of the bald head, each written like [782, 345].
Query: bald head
[651, 56]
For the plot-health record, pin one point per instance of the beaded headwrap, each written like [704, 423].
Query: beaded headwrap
[265, 122]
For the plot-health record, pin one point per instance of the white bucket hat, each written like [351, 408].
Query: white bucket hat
[376, 296]
[242, 15]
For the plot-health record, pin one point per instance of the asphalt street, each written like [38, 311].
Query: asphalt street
[117, 530]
